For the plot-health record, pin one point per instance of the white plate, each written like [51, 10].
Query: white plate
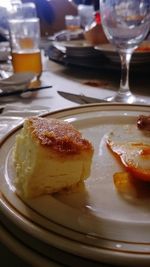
[110, 52]
[77, 248]
[47, 249]
[18, 79]
[75, 48]
[117, 227]
[74, 43]
[23, 252]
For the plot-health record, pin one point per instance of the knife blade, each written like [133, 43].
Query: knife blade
[80, 99]
[21, 91]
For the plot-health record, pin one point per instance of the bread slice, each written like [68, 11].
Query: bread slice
[50, 155]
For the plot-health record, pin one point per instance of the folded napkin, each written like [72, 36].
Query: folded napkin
[12, 116]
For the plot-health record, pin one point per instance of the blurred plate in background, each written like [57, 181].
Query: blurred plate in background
[138, 57]
[4, 51]
[76, 48]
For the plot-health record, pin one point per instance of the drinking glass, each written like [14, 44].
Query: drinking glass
[72, 23]
[126, 24]
[25, 51]
[24, 30]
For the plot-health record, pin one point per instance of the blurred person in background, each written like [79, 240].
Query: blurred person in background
[52, 14]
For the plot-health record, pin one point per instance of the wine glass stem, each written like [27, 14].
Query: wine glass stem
[124, 82]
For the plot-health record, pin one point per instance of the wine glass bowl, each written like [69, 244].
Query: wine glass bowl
[126, 24]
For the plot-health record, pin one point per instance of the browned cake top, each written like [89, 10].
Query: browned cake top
[58, 135]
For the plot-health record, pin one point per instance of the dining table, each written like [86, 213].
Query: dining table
[97, 82]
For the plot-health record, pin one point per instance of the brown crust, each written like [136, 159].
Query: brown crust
[59, 135]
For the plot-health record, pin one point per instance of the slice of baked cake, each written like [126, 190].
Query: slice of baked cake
[50, 155]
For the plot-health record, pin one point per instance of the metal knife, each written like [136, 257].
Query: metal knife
[80, 99]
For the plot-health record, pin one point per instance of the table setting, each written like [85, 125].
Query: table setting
[103, 221]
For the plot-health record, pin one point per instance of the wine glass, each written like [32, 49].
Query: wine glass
[126, 24]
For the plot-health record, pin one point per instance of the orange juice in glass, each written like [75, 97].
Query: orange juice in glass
[27, 61]
[26, 55]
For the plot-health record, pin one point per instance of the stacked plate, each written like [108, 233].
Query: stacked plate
[138, 57]
[92, 225]
[76, 48]
[80, 53]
